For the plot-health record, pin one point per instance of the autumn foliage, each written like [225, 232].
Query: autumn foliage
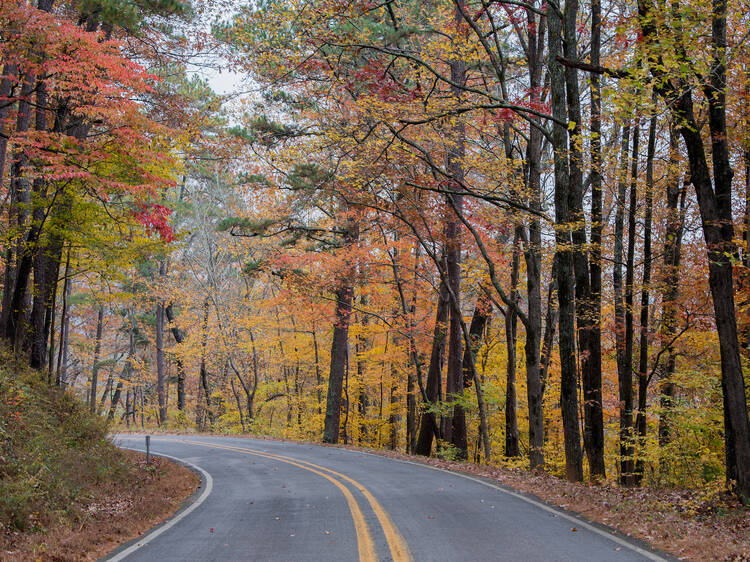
[509, 233]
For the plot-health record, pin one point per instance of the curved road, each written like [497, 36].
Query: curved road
[273, 500]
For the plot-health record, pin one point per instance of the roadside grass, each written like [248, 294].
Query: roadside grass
[66, 492]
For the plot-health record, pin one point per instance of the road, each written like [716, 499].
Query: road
[274, 500]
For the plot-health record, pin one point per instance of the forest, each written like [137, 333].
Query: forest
[510, 232]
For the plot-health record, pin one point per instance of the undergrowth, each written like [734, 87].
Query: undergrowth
[53, 453]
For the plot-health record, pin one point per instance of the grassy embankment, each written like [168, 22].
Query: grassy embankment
[66, 492]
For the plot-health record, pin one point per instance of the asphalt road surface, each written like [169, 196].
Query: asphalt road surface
[272, 500]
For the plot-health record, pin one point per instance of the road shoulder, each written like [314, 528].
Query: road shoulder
[201, 492]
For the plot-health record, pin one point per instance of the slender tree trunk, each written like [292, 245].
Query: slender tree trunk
[408, 311]
[250, 396]
[203, 375]
[160, 363]
[414, 377]
[362, 399]
[97, 355]
[394, 416]
[672, 253]
[550, 327]
[126, 415]
[178, 338]
[318, 378]
[479, 320]
[46, 271]
[106, 393]
[160, 356]
[62, 355]
[512, 448]
[239, 405]
[7, 85]
[52, 315]
[126, 373]
[360, 347]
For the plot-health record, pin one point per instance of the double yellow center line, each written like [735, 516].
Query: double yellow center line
[365, 545]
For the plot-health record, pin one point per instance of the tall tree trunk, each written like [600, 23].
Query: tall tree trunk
[340, 343]
[715, 203]
[17, 220]
[617, 281]
[643, 378]
[429, 426]
[455, 426]
[627, 436]
[414, 377]
[30, 215]
[45, 268]
[533, 252]
[565, 276]
[588, 299]
[736, 422]
[339, 353]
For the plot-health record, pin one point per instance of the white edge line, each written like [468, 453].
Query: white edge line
[556, 511]
[166, 526]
